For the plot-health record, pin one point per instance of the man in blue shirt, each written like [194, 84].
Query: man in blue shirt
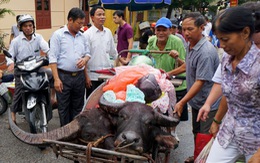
[69, 53]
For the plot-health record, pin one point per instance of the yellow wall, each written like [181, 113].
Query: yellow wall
[59, 11]
[109, 23]
[128, 16]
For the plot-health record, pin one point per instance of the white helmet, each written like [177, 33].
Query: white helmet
[144, 25]
[25, 18]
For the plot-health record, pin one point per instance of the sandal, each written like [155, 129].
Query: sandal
[189, 160]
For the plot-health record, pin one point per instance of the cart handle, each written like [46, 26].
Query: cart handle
[142, 51]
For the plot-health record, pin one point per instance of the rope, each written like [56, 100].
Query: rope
[150, 159]
[88, 152]
[125, 146]
[93, 144]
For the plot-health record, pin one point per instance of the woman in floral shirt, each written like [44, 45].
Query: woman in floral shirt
[240, 130]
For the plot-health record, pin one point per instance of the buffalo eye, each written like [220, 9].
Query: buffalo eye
[122, 117]
[146, 120]
[86, 136]
[136, 140]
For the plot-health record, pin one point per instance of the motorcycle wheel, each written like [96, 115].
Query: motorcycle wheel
[36, 120]
[3, 105]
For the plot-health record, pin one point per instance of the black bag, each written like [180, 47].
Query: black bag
[150, 87]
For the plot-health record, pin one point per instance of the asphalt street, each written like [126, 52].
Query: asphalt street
[14, 151]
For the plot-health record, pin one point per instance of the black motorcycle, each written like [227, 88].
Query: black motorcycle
[36, 102]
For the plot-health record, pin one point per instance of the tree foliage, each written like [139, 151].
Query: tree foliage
[4, 11]
[190, 5]
[4, 1]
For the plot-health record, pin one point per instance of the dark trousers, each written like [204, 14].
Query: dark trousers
[184, 114]
[71, 99]
[16, 105]
[201, 126]
[95, 84]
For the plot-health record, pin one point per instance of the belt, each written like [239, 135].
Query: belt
[70, 72]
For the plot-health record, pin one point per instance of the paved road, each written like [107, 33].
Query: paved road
[14, 151]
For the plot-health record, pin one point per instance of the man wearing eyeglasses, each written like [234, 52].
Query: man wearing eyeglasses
[69, 53]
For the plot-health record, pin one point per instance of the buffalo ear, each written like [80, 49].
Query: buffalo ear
[110, 107]
[81, 118]
[166, 121]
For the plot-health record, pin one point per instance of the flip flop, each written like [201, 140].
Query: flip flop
[189, 160]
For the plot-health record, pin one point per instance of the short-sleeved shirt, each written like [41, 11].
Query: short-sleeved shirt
[123, 34]
[15, 30]
[22, 48]
[182, 39]
[241, 87]
[217, 76]
[201, 63]
[164, 61]
[66, 50]
[100, 52]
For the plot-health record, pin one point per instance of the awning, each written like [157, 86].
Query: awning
[135, 5]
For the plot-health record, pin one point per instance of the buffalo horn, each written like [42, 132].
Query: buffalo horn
[166, 121]
[110, 107]
[63, 133]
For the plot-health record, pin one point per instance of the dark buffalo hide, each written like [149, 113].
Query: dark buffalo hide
[139, 126]
[93, 124]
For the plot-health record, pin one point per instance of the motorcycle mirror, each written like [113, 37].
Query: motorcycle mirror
[6, 53]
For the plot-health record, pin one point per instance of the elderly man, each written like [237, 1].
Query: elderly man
[165, 41]
[201, 63]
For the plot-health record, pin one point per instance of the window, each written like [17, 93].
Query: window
[140, 16]
[154, 15]
[85, 8]
[43, 14]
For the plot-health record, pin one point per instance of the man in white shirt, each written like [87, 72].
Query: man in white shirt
[102, 48]
[27, 43]
[207, 27]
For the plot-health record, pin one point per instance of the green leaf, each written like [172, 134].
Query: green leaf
[4, 11]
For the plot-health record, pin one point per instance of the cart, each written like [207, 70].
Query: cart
[89, 153]
[82, 153]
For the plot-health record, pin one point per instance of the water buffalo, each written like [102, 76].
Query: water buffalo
[88, 126]
[139, 126]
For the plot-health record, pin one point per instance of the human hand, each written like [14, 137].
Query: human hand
[214, 128]
[255, 158]
[124, 61]
[88, 82]
[1, 73]
[81, 63]
[178, 108]
[174, 54]
[58, 85]
[203, 113]
[10, 68]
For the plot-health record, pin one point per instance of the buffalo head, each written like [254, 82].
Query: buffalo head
[139, 126]
[88, 126]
